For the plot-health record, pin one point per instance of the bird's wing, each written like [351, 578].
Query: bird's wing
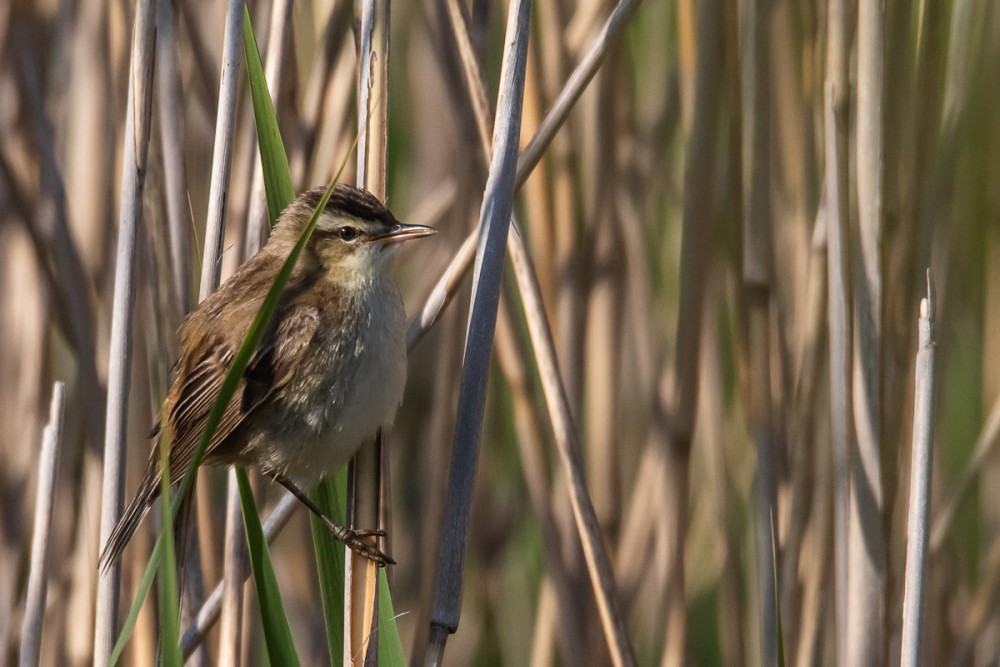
[270, 368]
[279, 353]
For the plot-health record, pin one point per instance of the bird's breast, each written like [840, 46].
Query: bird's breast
[354, 383]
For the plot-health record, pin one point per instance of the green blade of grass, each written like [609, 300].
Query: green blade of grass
[277, 634]
[390, 648]
[169, 604]
[274, 162]
[329, 496]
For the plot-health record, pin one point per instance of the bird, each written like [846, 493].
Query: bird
[329, 370]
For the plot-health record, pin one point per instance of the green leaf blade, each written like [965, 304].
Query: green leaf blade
[277, 634]
[329, 496]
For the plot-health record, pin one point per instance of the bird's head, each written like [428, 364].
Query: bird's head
[355, 237]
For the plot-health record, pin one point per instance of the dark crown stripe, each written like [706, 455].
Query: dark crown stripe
[350, 201]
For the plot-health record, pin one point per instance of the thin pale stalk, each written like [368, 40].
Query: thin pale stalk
[839, 316]
[123, 304]
[215, 224]
[235, 571]
[866, 583]
[222, 154]
[712, 405]
[920, 488]
[757, 267]
[361, 574]
[48, 463]
[168, 94]
[697, 232]
[257, 221]
[493, 226]
[546, 620]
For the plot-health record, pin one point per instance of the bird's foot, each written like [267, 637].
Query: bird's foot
[358, 542]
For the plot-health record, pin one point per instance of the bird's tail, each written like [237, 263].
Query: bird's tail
[149, 489]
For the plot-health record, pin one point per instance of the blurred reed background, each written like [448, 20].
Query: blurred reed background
[731, 235]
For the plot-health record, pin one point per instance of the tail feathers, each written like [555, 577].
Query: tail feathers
[149, 489]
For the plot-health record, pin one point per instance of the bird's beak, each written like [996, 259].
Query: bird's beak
[401, 232]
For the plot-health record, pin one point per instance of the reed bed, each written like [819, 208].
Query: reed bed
[702, 362]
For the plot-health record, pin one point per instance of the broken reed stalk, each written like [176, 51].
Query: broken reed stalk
[920, 486]
[135, 151]
[493, 226]
[48, 463]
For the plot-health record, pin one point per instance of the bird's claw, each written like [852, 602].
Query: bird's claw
[356, 541]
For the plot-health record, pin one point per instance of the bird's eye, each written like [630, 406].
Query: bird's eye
[347, 233]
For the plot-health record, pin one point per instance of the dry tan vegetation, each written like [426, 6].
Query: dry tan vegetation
[728, 241]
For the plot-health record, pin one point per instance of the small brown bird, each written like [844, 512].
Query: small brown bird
[329, 370]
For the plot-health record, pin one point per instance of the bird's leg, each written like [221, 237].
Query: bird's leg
[353, 539]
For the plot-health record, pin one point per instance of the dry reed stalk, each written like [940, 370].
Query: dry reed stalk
[367, 466]
[32, 625]
[567, 442]
[800, 513]
[757, 270]
[866, 574]
[493, 226]
[920, 487]
[840, 316]
[135, 152]
[543, 642]
[222, 152]
[712, 416]
[695, 257]
[602, 333]
[235, 556]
